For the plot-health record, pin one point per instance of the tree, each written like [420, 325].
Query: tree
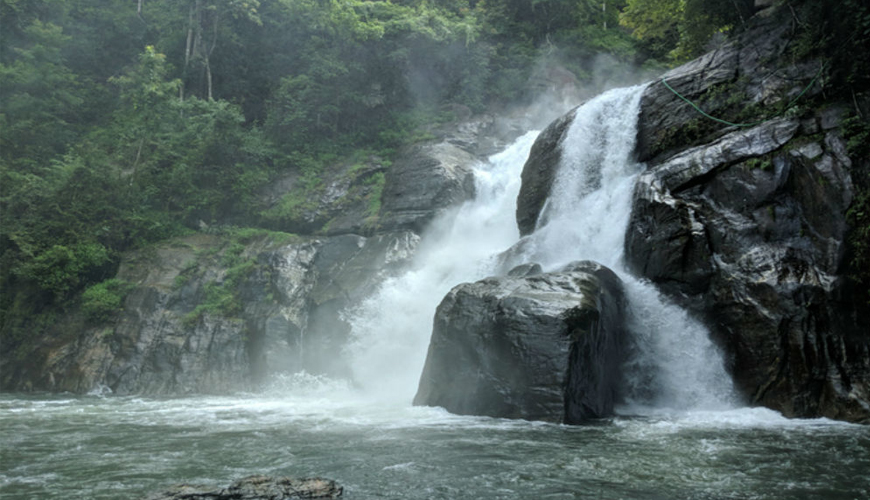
[681, 29]
[40, 98]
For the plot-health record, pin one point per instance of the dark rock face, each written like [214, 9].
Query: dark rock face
[541, 347]
[424, 181]
[539, 172]
[747, 227]
[753, 72]
[255, 488]
[759, 245]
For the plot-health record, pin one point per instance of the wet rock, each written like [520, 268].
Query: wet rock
[426, 180]
[749, 232]
[255, 488]
[746, 226]
[524, 270]
[739, 82]
[539, 173]
[540, 347]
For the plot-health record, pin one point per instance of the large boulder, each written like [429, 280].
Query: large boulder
[255, 488]
[532, 346]
[424, 181]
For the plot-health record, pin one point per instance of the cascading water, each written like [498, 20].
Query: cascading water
[392, 328]
[675, 364]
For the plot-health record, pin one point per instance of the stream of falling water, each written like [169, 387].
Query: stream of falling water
[676, 366]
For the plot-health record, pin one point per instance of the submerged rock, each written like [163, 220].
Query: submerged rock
[538, 347]
[255, 488]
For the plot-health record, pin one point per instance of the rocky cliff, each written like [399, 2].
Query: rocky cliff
[227, 308]
[744, 221]
[215, 313]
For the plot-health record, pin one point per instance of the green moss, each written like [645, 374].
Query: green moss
[302, 198]
[222, 297]
[376, 184]
[764, 163]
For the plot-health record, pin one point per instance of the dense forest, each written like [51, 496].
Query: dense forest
[125, 123]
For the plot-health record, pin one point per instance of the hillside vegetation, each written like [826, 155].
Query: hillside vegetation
[125, 123]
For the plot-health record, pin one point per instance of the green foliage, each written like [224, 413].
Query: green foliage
[121, 127]
[101, 301]
[376, 183]
[40, 98]
[59, 269]
[301, 198]
[681, 29]
[856, 131]
[762, 163]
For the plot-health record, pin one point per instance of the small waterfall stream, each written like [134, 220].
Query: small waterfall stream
[675, 365]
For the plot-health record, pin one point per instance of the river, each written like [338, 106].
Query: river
[92, 447]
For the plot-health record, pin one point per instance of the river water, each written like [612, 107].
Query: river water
[89, 447]
[681, 433]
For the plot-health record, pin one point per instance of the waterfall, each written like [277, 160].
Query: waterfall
[674, 364]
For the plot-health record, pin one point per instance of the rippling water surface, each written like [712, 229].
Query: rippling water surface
[119, 447]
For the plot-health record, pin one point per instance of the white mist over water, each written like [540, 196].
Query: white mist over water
[675, 364]
[391, 330]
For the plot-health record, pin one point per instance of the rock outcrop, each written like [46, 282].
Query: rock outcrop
[540, 172]
[216, 313]
[211, 313]
[746, 226]
[426, 180]
[255, 488]
[741, 82]
[533, 346]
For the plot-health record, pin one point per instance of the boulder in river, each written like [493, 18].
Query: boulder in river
[543, 346]
[255, 488]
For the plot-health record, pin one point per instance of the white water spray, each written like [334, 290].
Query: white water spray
[675, 366]
[391, 330]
